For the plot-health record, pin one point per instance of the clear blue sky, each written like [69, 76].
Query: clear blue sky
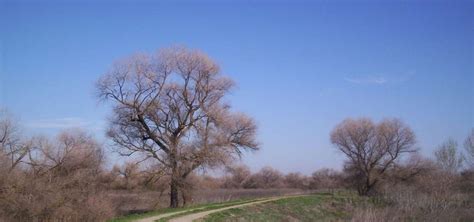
[301, 67]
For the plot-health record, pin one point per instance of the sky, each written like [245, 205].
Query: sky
[301, 66]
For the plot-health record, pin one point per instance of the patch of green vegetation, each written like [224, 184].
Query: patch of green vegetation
[317, 207]
[220, 216]
[185, 210]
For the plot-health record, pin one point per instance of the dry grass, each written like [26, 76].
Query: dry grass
[410, 203]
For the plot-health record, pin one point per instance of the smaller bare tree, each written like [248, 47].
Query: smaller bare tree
[371, 148]
[448, 157]
[129, 174]
[267, 177]
[12, 147]
[326, 179]
[469, 148]
[238, 175]
[295, 180]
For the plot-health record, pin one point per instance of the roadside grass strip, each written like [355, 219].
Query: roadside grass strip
[317, 207]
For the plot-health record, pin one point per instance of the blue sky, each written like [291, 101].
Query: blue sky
[301, 66]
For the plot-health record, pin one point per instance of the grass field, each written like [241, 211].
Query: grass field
[337, 206]
[318, 207]
[134, 202]
[185, 210]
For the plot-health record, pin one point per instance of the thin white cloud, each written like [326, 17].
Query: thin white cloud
[381, 79]
[59, 123]
[405, 77]
[378, 80]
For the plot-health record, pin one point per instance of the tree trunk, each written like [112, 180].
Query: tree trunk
[174, 185]
[185, 188]
[183, 194]
[368, 189]
[174, 198]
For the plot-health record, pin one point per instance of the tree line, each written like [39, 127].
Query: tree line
[170, 115]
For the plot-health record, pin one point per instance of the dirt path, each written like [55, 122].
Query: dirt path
[194, 216]
[152, 219]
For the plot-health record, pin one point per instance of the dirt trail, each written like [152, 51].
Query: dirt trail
[152, 219]
[195, 216]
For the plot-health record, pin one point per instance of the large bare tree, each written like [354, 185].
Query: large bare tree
[372, 148]
[170, 107]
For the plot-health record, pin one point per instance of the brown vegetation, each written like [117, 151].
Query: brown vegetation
[424, 190]
[65, 179]
[43, 180]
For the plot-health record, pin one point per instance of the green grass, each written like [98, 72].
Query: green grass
[185, 210]
[317, 207]
[320, 207]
